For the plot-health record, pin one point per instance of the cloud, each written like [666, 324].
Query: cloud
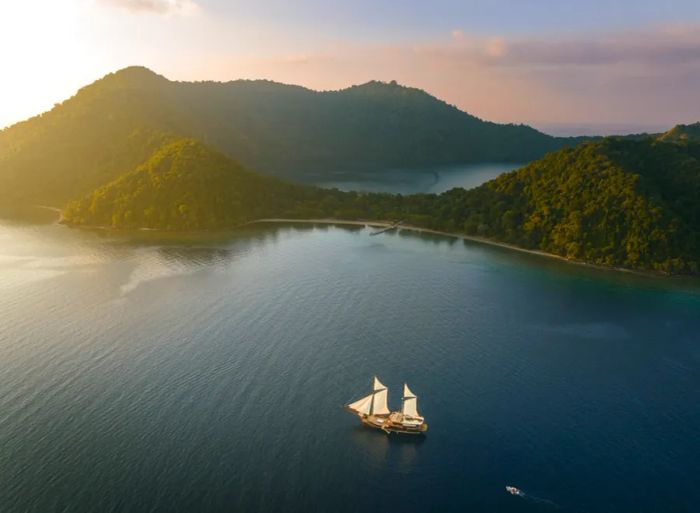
[643, 76]
[654, 46]
[155, 6]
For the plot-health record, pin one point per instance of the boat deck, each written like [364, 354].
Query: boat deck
[394, 423]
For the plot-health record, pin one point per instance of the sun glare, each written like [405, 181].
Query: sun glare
[43, 48]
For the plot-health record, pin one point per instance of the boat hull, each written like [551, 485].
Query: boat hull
[386, 425]
[404, 430]
[399, 431]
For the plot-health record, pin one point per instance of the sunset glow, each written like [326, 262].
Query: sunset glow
[544, 64]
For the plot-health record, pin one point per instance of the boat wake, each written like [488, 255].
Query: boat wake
[517, 492]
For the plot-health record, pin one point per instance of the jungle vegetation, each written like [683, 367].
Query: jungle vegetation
[613, 202]
[111, 126]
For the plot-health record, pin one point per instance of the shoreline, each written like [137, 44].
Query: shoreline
[388, 224]
[471, 238]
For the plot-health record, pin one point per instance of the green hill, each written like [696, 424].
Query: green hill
[682, 134]
[614, 202]
[135, 150]
[114, 124]
[185, 185]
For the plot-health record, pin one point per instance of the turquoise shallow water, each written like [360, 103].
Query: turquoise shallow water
[172, 376]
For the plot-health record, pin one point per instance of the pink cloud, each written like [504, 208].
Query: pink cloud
[647, 76]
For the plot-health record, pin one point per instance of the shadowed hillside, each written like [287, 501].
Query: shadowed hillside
[185, 185]
[114, 124]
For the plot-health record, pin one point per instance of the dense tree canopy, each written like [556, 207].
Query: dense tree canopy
[128, 147]
[682, 134]
[114, 124]
[616, 202]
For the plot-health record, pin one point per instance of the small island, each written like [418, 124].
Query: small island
[615, 202]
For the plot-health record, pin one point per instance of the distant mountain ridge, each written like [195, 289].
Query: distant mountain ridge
[112, 125]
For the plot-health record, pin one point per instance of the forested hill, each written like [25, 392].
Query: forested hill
[682, 134]
[613, 202]
[137, 150]
[185, 185]
[114, 124]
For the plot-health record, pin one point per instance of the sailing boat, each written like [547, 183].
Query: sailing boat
[374, 412]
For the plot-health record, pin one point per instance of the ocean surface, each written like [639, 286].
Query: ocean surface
[158, 375]
[427, 180]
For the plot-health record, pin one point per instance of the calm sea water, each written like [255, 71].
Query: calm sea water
[429, 181]
[173, 376]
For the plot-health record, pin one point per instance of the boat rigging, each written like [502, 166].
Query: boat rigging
[373, 411]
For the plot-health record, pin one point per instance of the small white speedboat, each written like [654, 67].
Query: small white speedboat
[514, 491]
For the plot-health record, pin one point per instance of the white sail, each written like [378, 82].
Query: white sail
[378, 385]
[380, 403]
[363, 405]
[410, 403]
[407, 392]
[410, 407]
[381, 393]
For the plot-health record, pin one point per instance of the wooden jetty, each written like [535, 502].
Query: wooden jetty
[393, 226]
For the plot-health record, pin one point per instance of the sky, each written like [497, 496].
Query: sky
[564, 66]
